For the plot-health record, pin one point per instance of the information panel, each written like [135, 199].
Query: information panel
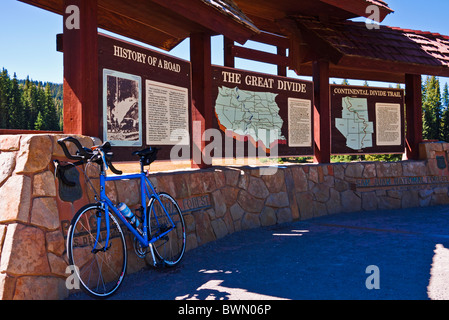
[144, 96]
[367, 120]
[268, 112]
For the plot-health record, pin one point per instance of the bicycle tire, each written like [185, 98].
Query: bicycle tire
[170, 248]
[99, 273]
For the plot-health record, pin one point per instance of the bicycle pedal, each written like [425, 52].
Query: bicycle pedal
[159, 264]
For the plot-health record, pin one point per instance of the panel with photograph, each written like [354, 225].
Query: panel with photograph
[122, 99]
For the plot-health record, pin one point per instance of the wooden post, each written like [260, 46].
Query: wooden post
[413, 114]
[229, 59]
[282, 70]
[202, 111]
[322, 110]
[81, 110]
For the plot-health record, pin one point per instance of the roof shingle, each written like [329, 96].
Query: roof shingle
[386, 43]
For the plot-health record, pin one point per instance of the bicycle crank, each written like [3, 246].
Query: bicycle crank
[140, 251]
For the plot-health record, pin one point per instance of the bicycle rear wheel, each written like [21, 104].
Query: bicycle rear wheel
[100, 270]
[169, 248]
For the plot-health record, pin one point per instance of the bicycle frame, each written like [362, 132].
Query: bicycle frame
[145, 194]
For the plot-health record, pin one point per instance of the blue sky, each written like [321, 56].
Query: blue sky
[28, 36]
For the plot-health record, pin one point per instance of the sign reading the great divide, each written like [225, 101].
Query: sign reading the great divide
[144, 97]
[367, 120]
[267, 112]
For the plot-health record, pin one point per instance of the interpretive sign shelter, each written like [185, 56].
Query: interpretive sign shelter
[268, 112]
[144, 97]
[367, 120]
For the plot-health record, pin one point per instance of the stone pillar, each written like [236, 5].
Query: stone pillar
[32, 247]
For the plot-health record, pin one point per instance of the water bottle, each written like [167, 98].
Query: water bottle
[126, 211]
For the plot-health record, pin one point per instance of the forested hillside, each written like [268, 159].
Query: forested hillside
[31, 105]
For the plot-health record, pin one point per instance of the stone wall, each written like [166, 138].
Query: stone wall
[217, 202]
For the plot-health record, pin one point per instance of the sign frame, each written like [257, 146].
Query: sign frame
[132, 61]
[280, 92]
[356, 115]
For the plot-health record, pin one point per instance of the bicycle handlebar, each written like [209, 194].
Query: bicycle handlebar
[87, 155]
[81, 153]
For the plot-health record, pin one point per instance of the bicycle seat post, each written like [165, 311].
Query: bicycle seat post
[142, 164]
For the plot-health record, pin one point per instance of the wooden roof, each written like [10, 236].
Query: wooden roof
[386, 54]
[268, 14]
[165, 23]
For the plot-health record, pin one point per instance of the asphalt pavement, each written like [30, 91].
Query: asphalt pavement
[379, 255]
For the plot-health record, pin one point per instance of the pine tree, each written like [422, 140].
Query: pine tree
[5, 83]
[445, 98]
[33, 105]
[432, 109]
[445, 115]
[39, 124]
[16, 110]
[50, 116]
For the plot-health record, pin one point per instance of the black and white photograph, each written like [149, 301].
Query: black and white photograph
[122, 108]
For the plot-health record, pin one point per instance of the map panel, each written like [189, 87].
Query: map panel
[249, 113]
[355, 124]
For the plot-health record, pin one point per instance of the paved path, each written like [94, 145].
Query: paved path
[322, 258]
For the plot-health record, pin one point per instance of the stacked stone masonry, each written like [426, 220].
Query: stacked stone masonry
[33, 220]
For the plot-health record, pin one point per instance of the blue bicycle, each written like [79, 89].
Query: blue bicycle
[96, 243]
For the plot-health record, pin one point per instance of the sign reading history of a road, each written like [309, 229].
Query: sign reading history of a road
[145, 95]
[367, 120]
[264, 110]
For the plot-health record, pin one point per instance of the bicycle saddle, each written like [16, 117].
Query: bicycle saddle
[145, 152]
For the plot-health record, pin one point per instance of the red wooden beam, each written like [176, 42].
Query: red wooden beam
[81, 110]
[359, 7]
[322, 112]
[413, 113]
[202, 110]
[272, 39]
[261, 56]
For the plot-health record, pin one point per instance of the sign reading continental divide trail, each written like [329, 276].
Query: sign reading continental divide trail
[264, 110]
[367, 120]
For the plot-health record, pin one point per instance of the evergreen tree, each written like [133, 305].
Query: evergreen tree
[50, 114]
[445, 115]
[4, 98]
[26, 104]
[34, 108]
[16, 110]
[39, 124]
[432, 109]
[445, 97]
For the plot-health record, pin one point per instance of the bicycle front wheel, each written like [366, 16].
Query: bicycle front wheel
[99, 269]
[171, 246]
